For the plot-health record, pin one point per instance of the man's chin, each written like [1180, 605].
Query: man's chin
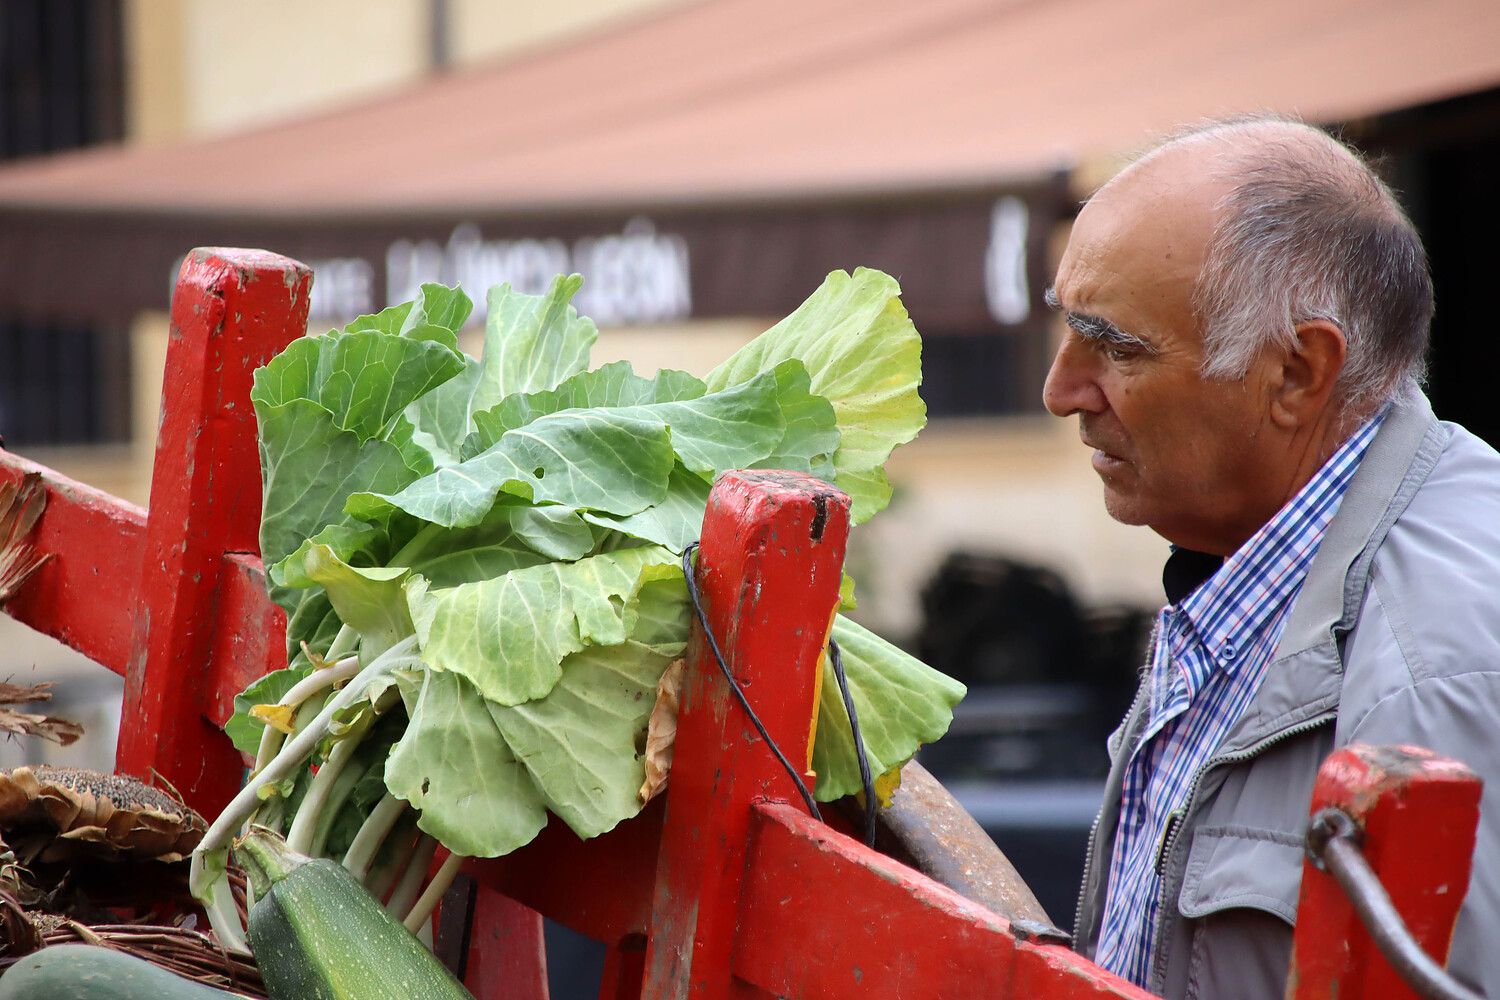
[1124, 507]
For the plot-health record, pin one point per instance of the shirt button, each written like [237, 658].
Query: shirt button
[1228, 652]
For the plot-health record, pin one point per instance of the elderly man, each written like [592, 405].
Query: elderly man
[1247, 310]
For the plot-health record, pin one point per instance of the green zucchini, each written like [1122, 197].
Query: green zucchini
[317, 934]
[88, 972]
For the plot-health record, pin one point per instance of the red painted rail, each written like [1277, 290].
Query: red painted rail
[1417, 814]
[726, 889]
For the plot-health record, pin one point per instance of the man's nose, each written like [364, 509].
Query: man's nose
[1071, 386]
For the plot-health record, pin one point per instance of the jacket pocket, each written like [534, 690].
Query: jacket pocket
[1239, 866]
[1239, 898]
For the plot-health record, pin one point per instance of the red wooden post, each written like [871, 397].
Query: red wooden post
[232, 311]
[507, 957]
[1418, 813]
[84, 595]
[624, 969]
[825, 918]
[772, 551]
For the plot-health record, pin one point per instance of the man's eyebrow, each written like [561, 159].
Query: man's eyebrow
[1097, 327]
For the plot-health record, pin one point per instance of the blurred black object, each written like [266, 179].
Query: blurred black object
[1048, 681]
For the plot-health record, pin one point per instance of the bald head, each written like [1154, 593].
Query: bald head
[1233, 147]
[1289, 225]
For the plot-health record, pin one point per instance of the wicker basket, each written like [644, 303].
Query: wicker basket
[182, 950]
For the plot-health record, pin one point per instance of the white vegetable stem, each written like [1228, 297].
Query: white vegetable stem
[204, 881]
[372, 834]
[224, 916]
[313, 683]
[428, 901]
[405, 893]
[304, 696]
[343, 790]
[300, 837]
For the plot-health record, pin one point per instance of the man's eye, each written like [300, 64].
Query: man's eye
[1118, 352]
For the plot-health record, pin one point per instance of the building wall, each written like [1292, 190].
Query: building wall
[1015, 486]
[481, 30]
[199, 67]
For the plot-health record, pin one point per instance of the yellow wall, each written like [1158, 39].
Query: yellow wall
[198, 67]
[483, 30]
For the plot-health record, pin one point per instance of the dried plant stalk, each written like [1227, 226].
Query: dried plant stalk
[20, 506]
[19, 723]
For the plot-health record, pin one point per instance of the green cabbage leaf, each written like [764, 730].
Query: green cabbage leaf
[521, 519]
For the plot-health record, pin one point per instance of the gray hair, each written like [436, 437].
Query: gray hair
[1308, 231]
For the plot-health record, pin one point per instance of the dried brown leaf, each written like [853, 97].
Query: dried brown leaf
[16, 567]
[30, 501]
[47, 727]
[19, 509]
[661, 731]
[20, 694]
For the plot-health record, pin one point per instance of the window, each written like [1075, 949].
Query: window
[61, 88]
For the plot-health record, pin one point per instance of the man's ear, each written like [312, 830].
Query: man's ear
[1309, 368]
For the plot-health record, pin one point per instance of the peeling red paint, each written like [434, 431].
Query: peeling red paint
[754, 568]
[205, 501]
[1418, 813]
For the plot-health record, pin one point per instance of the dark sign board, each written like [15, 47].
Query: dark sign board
[970, 262]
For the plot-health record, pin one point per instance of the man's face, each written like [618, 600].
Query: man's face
[1175, 451]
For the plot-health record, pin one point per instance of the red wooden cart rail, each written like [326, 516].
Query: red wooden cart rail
[725, 890]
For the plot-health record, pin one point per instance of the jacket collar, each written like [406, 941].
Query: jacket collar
[1307, 670]
[1397, 464]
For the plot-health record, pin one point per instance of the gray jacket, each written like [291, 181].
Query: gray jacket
[1394, 638]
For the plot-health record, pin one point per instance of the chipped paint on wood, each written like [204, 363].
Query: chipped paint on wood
[205, 502]
[818, 905]
[84, 595]
[1418, 813]
[769, 586]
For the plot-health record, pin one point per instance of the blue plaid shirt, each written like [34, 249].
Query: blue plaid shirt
[1210, 652]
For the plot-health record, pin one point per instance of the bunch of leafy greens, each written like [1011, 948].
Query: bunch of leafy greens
[494, 544]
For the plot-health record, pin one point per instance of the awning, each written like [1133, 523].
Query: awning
[717, 158]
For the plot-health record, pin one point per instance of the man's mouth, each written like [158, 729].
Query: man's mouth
[1105, 463]
[1103, 459]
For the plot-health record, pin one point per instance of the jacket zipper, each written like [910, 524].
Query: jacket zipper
[1168, 835]
[1083, 885]
[1239, 756]
[1088, 855]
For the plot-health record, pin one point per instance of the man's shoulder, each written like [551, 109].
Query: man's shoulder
[1431, 606]
[1446, 542]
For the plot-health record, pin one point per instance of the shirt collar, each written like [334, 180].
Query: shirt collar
[1257, 581]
